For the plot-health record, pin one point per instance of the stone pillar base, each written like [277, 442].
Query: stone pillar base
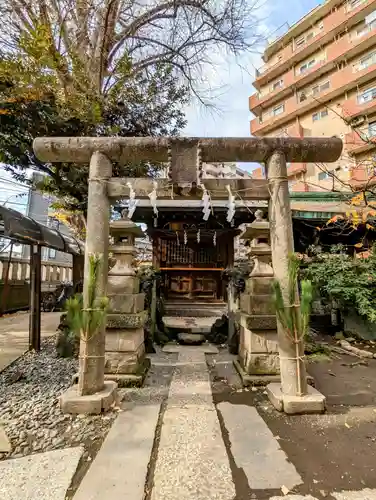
[125, 351]
[72, 402]
[258, 346]
[312, 402]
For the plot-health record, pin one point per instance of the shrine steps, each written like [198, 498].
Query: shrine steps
[196, 309]
[192, 320]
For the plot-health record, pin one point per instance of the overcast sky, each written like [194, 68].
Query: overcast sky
[236, 77]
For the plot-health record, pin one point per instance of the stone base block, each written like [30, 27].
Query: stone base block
[257, 304]
[118, 321]
[130, 379]
[261, 380]
[312, 402]
[251, 380]
[126, 303]
[257, 342]
[261, 322]
[122, 284]
[72, 402]
[124, 362]
[261, 364]
[128, 340]
[259, 285]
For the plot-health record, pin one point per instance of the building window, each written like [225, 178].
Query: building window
[367, 61]
[277, 85]
[317, 89]
[325, 175]
[319, 115]
[353, 4]
[367, 95]
[299, 41]
[372, 129]
[52, 222]
[278, 110]
[305, 67]
[51, 253]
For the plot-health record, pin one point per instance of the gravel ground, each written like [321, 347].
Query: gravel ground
[29, 406]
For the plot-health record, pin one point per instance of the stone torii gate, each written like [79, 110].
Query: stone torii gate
[185, 157]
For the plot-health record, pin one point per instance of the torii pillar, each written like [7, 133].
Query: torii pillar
[186, 156]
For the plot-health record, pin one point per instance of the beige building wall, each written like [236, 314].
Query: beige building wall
[323, 83]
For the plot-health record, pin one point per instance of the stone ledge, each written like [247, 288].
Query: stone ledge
[262, 380]
[204, 348]
[257, 322]
[257, 304]
[119, 321]
[312, 402]
[126, 340]
[257, 380]
[130, 379]
[126, 303]
[72, 402]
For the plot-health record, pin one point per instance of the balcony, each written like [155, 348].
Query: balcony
[352, 108]
[335, 52]
[362, 176]
[299, 187]
[340, 82]
[296, 168]
[359, 141]
[333, 25]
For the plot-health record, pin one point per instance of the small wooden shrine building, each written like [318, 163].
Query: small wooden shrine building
[192, 252]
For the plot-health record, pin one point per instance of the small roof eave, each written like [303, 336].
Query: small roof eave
[26, 230]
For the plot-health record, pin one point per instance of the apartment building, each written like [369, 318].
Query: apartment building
[319, 79]
[218, 170]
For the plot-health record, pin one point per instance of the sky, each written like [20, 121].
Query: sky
[237, 76]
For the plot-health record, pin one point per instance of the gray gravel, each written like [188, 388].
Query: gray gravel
[29, 406]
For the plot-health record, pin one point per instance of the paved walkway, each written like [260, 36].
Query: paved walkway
[180, 438]
[14, 334]
[192, 433]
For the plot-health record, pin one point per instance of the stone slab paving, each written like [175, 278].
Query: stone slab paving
[44, 476]
[14, 334]
[366, 494]
[192, 462]
[256, 450]
[119, 470]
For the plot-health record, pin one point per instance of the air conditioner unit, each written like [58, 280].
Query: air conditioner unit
[355, 122]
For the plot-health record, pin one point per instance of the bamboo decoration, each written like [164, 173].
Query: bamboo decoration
[294, 317]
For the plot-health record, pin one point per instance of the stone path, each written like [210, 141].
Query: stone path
[182, 436]
[45, 476]
[14, 334]
[198, 448]
[192, 461]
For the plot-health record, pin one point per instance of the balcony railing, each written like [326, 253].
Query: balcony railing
[360, 140]
[354, 4]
